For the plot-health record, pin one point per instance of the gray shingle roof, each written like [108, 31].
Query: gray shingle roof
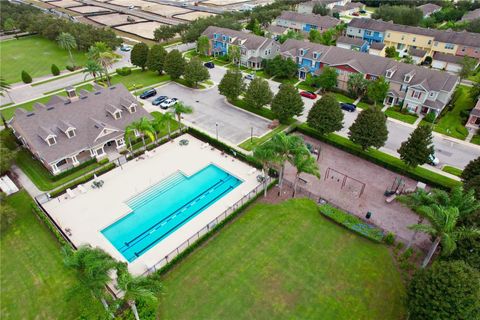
[446, 57]
[87, 115]
[417, 52]
[348, 6]
[322, 22]
[355, 41]
[447, 36]
[472, 15]
[429, 8]
[249, 40]
[370, 64]
[476, 111]
[377, 45]
[276, 29]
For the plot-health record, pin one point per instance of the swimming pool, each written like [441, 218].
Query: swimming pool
[166, 206]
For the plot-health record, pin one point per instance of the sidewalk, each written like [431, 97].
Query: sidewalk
[26, 183]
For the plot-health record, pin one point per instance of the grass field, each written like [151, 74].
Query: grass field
[285, 261]
[34, 55]
[139, 79]
[452, 170]
[35, 283]
[256, 141]
[405, 117]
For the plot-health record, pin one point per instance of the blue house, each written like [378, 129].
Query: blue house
[304, 22]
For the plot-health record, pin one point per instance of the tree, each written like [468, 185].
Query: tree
[92, 68]
[231, 85]
[156, 58]
[408, 60]
[304, 162]
[164, 33]
[54, 69]
[471, 176]
[9, 24]
[102, 54]
[139, 55]
[93, 266]
[474, 185]
[377, 90]
[287, 103]
[281, 68]
[160, 121]
[320, 9]
[174, 64]
[326, 37]
[327, 80]
[468, 67]
[234, 54]
[258, 93]
[326, 115]
[4, 86]
[447, 290]
[410, 16]
[291, 34]
[67, 41]
[26, 78]
[285, 148]
[203, 45]
[266, 155]
[195, 72]
[357, 84]
[390, 52]
[178, 109]
[369, 129]
[137, 288]
[142, 127]
[475, 91]
[418, 149]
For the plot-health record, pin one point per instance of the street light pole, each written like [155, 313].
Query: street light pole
[216, 129]
[251, 134]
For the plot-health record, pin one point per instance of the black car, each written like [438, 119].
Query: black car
[149, 93]
[209, 65]
[159, 100]
[350, 107]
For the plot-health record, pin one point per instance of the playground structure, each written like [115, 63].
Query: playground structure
[398, 187]
[355, 186]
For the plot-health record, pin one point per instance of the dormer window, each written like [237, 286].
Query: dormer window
[133, 108]
[51, 140]
[224, 38]
[315, 55]
[70, 133]
[302, 52]
[407, 78]
[390, 73]
[117, 115]
[215, 36]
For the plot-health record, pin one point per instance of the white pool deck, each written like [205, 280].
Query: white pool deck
[88, 213]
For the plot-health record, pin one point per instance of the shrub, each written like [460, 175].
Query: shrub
[351, 222]
[26, 78]
[430, 117]
[55, 70]
[389, 238]
[70, 68]
[125, 71]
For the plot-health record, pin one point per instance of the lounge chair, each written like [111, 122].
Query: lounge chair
[204, 145]
[81, 188]
[252, 171]
[70, 193]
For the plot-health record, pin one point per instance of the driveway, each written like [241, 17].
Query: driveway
[212, 113]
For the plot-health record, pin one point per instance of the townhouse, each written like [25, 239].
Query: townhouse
[307, 7]
[419, 90]
[305, 22]
[253, 49]
[403, 38]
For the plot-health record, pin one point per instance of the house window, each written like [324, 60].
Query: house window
[133, 109]
[407, 78]
[389, 74]
[449, 46]
[413, 39]
[463, 49]
[51, 141]
[215, 36]
[416, 94]
[403, 88]
[100, 151]
[368, 33]
[435, 43]
[302, 52]
[432, 94]
[71, 133]
[359, 31]
[403, 37]
[117, 115]
[224, 38]
[388, 35]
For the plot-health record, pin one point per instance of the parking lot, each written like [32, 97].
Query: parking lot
[212, 114]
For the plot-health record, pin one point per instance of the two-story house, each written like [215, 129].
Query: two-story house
[253, 49]
[67, 131]
[305, 21]
[421, 90]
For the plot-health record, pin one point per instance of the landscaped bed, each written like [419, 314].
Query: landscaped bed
[35, 282]
[284, 261]
[251, 144]
[405, 117]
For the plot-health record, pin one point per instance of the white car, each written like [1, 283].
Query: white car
[168, 103]
[434, 161]
[249, 76]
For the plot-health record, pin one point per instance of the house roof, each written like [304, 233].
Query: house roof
[347, 7]
[476, 111]
[314, 2]
[249, 40]
[322, 22]
[417, 52]
[446, 57]
[472, 15]
[370, 64]
[429, 8]
[377, 45]
[447, 36]
[276, 29]
[88, 115]
[353, 41]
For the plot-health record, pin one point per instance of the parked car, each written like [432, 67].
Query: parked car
[209, 65]
[147, 94]
[356, 14]
[433, 160]
[168, 103]
[131, 7]
[308, 94]
[350, 107]
[362, 11]
[159, 100]
[249, 76]
[125, 47]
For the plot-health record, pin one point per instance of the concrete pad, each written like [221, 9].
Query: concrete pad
[143, 29]
[194, 15]
[89, 9]
[65, 3]
[89, 213]
[115, 19]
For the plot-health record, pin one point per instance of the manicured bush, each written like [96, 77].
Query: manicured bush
[50, 225]
[125, 71]
[389, 238]
[430, 117]
[55, 70]
[70, 68]
[351, 222]
[26, 78]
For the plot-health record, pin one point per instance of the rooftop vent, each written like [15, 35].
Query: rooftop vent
[31, 114]
[67, 102]
[113, 88]
[97, 93]
[83, 97]
[96, 126]
[50, 108]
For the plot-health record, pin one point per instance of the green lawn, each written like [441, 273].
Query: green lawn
[363, 105]
[476, 139]
[256, 141]
[191, 53]
[303, 86]
[405, 117]
[285, 261]
[291, 81]
[139, 79]
[343, 98]
[450, 124]
[35, 283]
[34, 55]
[452, 170]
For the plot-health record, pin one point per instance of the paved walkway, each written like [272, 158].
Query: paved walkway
[26, 183]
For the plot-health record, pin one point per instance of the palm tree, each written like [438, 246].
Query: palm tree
[159, 123]
[4, 86]
[178, 109]
[67, 41]
[103, 55]
[265, 153]
[92, 68]
[142, 127]
[286, 147]
[304, 163]
[443, 229]
[93, 266]
[136, 288]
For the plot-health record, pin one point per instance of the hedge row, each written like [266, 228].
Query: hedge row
[351, 222]
[385, 160]
[72, 170]
[224, 147]
[39, 212]
[84, 179]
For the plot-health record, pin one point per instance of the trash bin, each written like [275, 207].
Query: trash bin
[368, 215]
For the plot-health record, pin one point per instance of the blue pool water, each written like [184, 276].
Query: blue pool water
[165, 207]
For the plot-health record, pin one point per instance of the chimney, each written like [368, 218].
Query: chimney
[71, 94]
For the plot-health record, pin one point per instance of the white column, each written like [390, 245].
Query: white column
[55, 169]
[75, 161]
